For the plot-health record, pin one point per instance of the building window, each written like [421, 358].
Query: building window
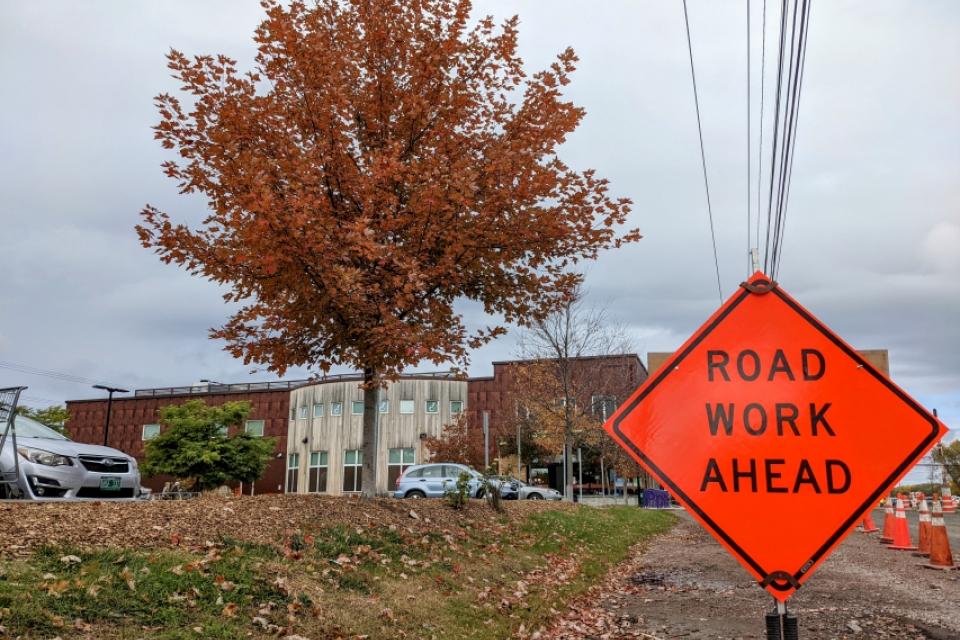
[293, 471]
[433, 406]
[303, 412]
[255, 428]
[293, 414]
[318, 411]
[384, 406]
[336, 408]
[406, 406]
[358, 408]
[603, 406]
[352, 470]
[398, 460]
[223, 430]
[456, 406]
[317, 483]
[150, 431]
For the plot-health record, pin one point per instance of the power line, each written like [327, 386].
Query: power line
[801, 65]
[789, 88]
[776, 132]
[19, 368]
[785, 153]
[763, 75]
[703, 156]
[748, 139]
[46, 401]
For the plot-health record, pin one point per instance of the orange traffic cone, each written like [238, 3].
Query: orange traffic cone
[923, 540]
[940, 556]
[868, 524]
[888, 521]
[901, 534]
[947, 500]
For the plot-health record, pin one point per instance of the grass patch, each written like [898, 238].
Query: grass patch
[473, 579]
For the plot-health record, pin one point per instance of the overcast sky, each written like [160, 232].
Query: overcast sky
[872, 242]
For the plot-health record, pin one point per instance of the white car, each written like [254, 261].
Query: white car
[54, 468]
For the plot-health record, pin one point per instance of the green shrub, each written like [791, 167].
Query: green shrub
[459, 493]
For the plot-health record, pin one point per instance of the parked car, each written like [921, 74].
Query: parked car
[533, 492]
[432, 479]
[54, 468]
[509, 488]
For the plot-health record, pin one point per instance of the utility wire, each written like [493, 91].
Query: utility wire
[795, 117]
[786, 198]
[19, 368]
[789, 99]
[763, 75]
[776, 133]
[748, 140]
[789, 111]
[703, 156]
[45, 401]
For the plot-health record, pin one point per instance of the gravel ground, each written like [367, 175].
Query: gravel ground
[685, 585]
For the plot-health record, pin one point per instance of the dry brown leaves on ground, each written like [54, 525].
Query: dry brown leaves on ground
[592, 616]
[192, 522]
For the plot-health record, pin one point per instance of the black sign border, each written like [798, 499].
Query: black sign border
[847, 524]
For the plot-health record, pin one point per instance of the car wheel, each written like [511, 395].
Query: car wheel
[535, 496]
[3, 492]
[480, 494]
[415, 494]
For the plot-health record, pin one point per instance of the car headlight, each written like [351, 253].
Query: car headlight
[133, 463]
[39, 456]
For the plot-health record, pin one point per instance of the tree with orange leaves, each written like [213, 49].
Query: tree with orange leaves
[457, 444]
[383, 161]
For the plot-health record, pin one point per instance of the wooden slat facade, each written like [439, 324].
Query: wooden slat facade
[337, 434]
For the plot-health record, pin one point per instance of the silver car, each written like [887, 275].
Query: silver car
[533, 492]
[54, 468]
[432, 479]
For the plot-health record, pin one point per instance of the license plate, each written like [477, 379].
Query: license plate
[110, 483]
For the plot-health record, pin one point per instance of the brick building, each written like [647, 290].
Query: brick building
[318, 423]
[133, 420]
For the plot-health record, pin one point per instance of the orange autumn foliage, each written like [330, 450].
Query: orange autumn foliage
[457, 444]
[383, 161]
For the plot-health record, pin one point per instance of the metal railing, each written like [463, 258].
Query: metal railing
[270, 386]
[222, 388]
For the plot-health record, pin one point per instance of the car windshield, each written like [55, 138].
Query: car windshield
[27, 428]
[519, 482]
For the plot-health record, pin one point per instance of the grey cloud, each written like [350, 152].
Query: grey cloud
[873, 231]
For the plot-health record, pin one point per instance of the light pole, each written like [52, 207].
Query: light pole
[486, 440]
[111, 391]
[518, 451]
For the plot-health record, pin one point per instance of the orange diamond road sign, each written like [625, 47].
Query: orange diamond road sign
[773, 433]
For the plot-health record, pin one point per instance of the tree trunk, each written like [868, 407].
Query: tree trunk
[368, 490]
[568, 467]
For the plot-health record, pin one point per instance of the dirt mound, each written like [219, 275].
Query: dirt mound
[191, 522]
